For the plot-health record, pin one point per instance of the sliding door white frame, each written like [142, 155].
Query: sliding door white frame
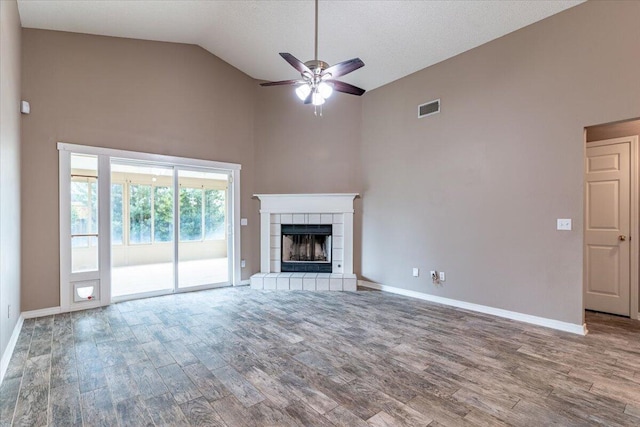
[104, 224]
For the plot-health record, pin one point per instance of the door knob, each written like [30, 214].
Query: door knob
[622, 238]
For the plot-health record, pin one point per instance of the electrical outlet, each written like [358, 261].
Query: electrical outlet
[434, 276]
[416, 272]
[243, 263]
[442, 276]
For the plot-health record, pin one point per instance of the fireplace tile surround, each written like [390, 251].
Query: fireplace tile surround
[278, 209]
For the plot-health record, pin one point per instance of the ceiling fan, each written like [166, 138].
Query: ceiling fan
[319, 78]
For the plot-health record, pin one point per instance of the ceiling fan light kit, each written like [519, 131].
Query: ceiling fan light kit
[318, 78]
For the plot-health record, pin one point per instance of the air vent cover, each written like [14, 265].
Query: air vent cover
[429, 108]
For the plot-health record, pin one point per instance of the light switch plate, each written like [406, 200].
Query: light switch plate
[243, 221]
[564, 223]
[416, 272]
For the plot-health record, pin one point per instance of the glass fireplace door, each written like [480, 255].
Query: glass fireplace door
[306, 248]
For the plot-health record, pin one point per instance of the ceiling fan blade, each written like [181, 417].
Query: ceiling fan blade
[282, 83]
[345, 67]
[295, 63]
[345, 87]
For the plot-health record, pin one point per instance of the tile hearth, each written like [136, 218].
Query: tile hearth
[305, 281]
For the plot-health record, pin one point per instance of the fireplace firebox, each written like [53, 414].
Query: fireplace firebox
[306, 248]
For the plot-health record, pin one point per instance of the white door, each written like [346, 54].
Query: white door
[606, 235]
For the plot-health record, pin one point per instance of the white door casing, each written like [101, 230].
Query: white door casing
[607, 233]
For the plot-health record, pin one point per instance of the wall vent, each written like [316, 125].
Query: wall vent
[429, 108]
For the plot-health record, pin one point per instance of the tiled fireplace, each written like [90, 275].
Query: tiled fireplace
[318, 243]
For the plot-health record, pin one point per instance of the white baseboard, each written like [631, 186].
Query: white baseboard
[527, 318]
[245, 282]
[41, 313]
[8, 352]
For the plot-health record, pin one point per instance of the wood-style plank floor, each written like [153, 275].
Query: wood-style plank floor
[240, 357]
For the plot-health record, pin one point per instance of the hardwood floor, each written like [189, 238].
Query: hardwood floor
[240, 357]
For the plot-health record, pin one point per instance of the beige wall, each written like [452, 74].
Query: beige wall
[154, 97]
[9, 169]
[298, 152]
[476, 190]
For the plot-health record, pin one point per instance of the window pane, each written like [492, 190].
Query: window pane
[139, 213]
[84, 213]
[84, 206]
[190, 214]
[214, 211]
[84, 256]
[116, 214]
[163, 214]
[80, 214]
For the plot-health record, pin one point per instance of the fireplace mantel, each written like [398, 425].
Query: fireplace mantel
[307, 203]
[332, 208]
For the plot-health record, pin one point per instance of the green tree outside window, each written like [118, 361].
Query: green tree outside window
[139, 213]
[116, 213]
[190, 214]
[214, 220]
[162, 214]
[84, 210]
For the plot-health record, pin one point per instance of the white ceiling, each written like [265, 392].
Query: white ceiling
[393, 38]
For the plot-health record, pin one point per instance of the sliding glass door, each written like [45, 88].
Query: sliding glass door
[142, 250]
[203, 246]
[152, 208]
[136, 224]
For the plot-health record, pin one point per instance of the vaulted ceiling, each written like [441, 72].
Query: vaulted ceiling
[393, 38]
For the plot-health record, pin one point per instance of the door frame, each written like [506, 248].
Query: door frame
[634, 219]
[104, 184]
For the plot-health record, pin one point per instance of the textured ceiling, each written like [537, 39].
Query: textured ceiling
[393, 38]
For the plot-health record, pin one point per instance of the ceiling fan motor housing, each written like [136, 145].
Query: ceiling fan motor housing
[317, 66]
